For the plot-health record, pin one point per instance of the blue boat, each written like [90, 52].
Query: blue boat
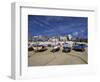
[79, 47]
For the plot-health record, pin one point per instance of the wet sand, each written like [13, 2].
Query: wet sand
[46, 58]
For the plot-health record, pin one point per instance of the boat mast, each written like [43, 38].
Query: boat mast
[37, 43]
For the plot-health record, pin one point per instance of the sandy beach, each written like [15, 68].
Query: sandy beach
[46, 58]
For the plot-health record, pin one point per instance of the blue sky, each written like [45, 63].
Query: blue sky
[57, 25]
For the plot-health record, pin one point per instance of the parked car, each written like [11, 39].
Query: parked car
[79, 47]
[66, 47]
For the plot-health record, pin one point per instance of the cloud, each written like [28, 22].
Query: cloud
[56, 25]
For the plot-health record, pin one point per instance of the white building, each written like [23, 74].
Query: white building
[70, 37]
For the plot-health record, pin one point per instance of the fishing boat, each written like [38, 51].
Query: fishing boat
[40, 48]
[79, 47]
[30, 48]
[43, 48]
[66, 47]
[55, 48]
